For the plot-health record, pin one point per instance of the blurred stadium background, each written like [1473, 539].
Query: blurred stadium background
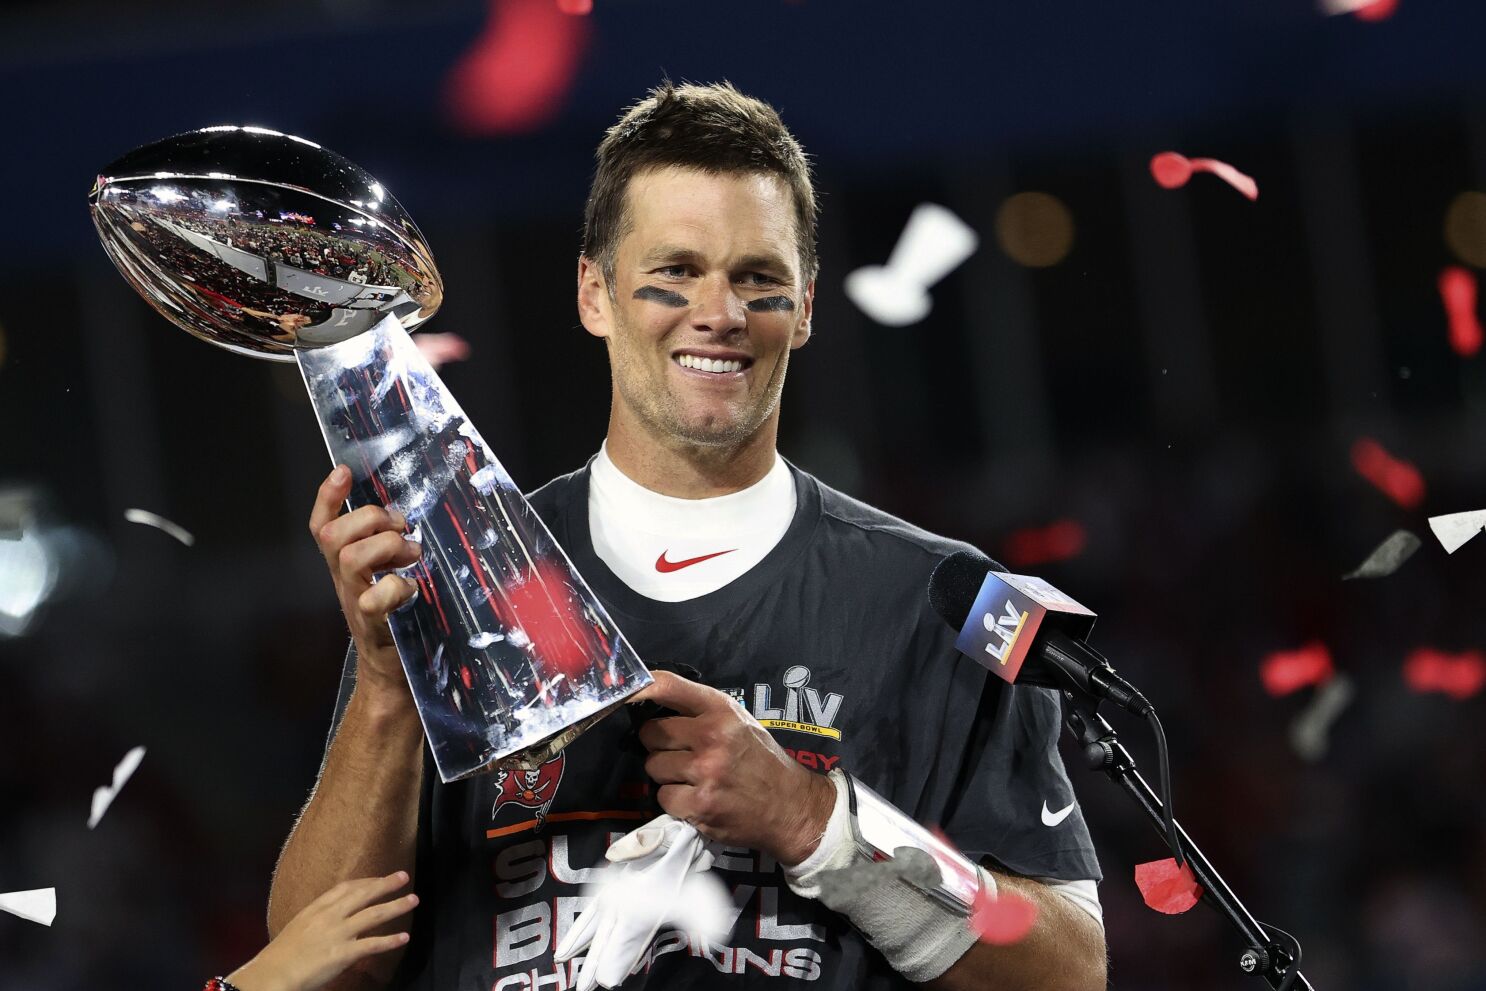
[1151, 397]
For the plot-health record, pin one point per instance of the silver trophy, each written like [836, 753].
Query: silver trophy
[274, 247]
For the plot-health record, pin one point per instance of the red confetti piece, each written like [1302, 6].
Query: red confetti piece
[1458, 292]
[1286, 671]
[1172, 171]
[575, 7]
[1166, 887]
[1459, 676]
[517, 74]
[1058, 541]
[1365, 10]
[1377, 10]
[1396, 479]
[1003, 919]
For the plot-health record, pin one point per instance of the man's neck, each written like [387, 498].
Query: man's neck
[691, 471]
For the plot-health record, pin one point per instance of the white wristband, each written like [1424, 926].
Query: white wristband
[919, 935]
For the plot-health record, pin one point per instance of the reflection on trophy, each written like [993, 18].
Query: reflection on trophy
[274, 247]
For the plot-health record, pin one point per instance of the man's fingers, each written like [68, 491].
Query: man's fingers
[379, 552]
[681, 694]
[668, 733]
[366, 521]
[679, 801]
[370, 918]
[389, 592]
[329, 499]
[667, 767]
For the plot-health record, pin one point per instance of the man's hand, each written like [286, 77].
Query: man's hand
[721, 771]
[357, 546]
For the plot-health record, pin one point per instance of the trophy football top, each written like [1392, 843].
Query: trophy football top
[261, 242]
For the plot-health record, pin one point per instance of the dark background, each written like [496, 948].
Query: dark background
[1186, 385]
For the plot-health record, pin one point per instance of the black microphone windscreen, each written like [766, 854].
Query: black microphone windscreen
[956, 582]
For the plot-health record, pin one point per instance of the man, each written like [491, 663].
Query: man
[803, 610]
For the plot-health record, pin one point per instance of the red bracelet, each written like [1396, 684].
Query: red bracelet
[218, 984]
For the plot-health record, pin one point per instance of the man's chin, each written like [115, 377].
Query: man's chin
[712, 431]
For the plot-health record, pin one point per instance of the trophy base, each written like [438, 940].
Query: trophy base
[541, 752]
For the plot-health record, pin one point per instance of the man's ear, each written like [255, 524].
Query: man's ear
[594, 305]
[802, 330]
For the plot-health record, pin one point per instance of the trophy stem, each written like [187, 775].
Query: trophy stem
[508, 653]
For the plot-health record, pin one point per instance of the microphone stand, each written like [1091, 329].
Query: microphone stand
[1273, 959]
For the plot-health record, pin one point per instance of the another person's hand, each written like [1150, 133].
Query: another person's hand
[325, 939]
[356, 546]
[719, 770]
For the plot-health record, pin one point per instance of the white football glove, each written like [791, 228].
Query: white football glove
[657, 874]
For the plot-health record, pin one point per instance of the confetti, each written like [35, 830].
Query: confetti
[441, 349]
[1003, 919]
[1286, 671]
[1058, 541]
[1310, 733]
[1459, 676]
[37, 905]
[160, 523]
[1396, 479]
[1166, 887]
[1172, 171]
[1458, 292]
[1454, 529]
[932, 245]
[103, 797]
[519, 71]
[917, 867]
[1387, 557]
[484, 639]
[908, 864]
[1365, 10]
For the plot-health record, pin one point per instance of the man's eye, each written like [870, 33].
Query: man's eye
[760, 279]
[673, 271]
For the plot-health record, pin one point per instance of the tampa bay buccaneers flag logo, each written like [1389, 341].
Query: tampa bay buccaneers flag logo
[529, 789]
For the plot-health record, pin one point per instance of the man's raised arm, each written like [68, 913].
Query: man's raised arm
[362, 817]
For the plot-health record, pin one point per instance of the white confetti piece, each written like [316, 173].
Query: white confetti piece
[37, 905]
[160, 523]
[933, 244]
[1456, 528]
[1310, 733]
[1388, 556]
[103, 797]
[482, 640]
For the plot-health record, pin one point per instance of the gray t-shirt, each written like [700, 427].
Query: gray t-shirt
[831, 643]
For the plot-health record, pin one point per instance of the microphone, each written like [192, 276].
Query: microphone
[1023, 629]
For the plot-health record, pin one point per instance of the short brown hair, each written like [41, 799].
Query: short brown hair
[712, 128]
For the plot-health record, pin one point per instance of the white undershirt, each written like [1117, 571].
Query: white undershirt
[633, 529]
[642, 535]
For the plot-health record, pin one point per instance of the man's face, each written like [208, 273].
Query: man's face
[707, 302]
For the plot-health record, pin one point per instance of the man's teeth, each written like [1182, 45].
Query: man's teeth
[708, 364]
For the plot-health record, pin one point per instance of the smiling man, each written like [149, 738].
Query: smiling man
[826, 678]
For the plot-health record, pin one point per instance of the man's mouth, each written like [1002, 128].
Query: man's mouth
[716, 366]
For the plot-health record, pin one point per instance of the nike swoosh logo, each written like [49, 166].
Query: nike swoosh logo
[1055, 818]
[666, 567]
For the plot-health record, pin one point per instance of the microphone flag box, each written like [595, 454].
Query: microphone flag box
[1007, 613]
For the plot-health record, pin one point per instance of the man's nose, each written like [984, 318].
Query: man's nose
[716, 307]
